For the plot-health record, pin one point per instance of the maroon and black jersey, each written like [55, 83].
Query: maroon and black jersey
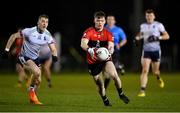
[97, 39]
[16, 48]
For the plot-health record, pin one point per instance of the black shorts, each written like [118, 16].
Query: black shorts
[43, 60]
[95, 69]
[153, 55]
[23, 59]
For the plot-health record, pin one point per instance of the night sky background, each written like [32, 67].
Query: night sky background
[71, 18]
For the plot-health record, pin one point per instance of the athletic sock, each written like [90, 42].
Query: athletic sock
[106, 101]
[104, 97]
[143, 88]
[106, 82]
[120, 92]
[158, 77]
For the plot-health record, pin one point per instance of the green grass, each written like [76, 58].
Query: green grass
[76, 92]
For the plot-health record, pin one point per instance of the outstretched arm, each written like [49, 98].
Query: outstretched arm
[11, 40]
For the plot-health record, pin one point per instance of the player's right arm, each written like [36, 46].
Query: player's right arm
[11, 40]
[110, 40]
[84, 44]
[85, 47]
[139, 36]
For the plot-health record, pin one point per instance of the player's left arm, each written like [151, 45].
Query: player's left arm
[123, 39]
[164, 34]
[122, 43]
[110, 40]
[53, 49]
[111, 47]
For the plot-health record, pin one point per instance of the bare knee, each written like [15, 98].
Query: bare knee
[19, 68]
[37, 72]
[46, 69]
[156, 72]
[145, 71]
[114, 76]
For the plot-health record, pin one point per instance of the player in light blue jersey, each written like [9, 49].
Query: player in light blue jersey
[151, 32]
[13, 47]
[119, 41]
[34, 39]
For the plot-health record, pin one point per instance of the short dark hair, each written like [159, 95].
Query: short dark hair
[99, 14]
[110, 14]
[150, 11]
[43, 16]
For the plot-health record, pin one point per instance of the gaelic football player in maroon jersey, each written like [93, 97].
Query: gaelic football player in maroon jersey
[93, 38]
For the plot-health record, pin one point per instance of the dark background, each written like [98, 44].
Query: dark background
[71, 18]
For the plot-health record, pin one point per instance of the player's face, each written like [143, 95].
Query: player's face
[110, 20]
[99, 23]
[150, 17]
[43, 23]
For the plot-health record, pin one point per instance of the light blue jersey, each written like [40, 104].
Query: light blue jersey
[33, 41]
[147, 30]
[118, 34]
[45, 52]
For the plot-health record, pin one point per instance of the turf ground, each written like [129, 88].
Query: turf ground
[76, 92]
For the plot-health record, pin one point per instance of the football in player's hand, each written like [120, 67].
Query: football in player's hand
[102, 54]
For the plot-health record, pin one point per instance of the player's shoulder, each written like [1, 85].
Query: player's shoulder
[29, 29]
[118, 28]
[158, 23]
[90, 29]
[47, 32]
[144, 24]
[106, 30]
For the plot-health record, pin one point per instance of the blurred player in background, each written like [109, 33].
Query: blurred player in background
[14, 45]
[151, 32]
[119, 41]
[93, 38]
[33, 39]
[46, 62]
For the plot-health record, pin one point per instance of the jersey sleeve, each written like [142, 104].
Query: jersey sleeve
[161, 27]
[122, 34]
[141, 28]
[50, 39]
[86, 35]
[25, 32]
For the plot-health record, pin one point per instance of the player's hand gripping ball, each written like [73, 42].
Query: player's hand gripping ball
[102, 54]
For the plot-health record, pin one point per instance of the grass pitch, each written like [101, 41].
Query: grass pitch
[76, 92]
